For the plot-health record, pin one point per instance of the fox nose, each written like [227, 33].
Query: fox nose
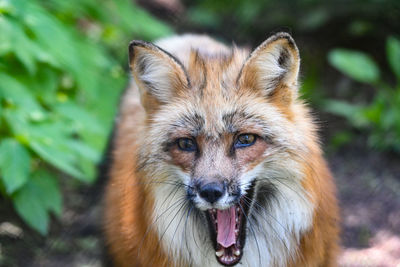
[211, 192]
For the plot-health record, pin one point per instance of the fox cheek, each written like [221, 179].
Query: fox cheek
[250, 157]
[182, 159]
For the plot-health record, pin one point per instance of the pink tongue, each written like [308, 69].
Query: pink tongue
[226, 227]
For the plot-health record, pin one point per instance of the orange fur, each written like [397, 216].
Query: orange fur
[209, 83]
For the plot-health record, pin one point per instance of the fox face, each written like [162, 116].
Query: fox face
[226, 152]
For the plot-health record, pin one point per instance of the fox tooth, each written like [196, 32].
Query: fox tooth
[237, 252]
[219, 253]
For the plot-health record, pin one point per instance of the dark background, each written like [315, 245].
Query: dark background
[63, 65]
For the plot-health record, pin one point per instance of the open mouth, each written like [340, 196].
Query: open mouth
[228, 229]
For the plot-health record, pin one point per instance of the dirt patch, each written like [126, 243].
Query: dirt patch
[369, 191]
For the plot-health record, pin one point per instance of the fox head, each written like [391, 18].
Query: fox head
[225, 151]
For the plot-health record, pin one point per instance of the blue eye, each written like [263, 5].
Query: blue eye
[245, 140]
[186, 144]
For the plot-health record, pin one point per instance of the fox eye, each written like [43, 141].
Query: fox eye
[245, 140]
[186, 144]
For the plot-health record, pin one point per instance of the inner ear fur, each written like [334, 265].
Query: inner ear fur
[273, 68]
[158, 74]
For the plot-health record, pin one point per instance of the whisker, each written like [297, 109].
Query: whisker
[279, 180]
[251, 228]
[182, 200]
[186, 220]
[194, 238]
[266, 211]
[156, 219]
[273, 229]
[185, 205]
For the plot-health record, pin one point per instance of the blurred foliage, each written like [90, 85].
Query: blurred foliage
[256, 19]
[382, 115]
[60, 79]
[357, 65]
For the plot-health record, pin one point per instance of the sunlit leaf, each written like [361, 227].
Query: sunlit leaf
[62, 69]
[16, 92]
[127, 10]
[48, 142]
[43, 85]
[357, 65]
[80, 116]
[18, 124]
[14, 39]
[84, 150]
[52, 155]
[6, 36]
[6, 7]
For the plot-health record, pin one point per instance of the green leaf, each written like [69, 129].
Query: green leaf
[49, 191]
[56, 123]
[84, 150]
[6, 7]
[81, 118]
[17, 93]
[55, 153]
[355, 64]
[393, 54]
[55, 37]
[14, 164]
[31, 208]
[88, 168]
[6, 36]
[87, 158]
[18, 123]
[14, 39]
[127, 10]
[40, 195]
[53, 143]
[352, 112]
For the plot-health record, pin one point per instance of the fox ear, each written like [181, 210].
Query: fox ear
[272, 67]
[157, 73]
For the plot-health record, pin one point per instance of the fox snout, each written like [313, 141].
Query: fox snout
[213, 194]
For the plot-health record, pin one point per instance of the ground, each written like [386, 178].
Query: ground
[369, 190]
[368, 187]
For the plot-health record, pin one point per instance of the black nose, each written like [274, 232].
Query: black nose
[211, 192]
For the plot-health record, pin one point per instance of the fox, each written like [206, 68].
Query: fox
[215, 160]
